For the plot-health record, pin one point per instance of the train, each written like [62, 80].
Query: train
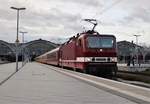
[88, 52]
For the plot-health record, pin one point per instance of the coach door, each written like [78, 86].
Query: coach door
[60, 58]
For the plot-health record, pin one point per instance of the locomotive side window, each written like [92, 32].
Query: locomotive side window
[79, 42]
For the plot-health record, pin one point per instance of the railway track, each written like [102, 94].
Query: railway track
[137, 83]
[137, 73]
[134, 76]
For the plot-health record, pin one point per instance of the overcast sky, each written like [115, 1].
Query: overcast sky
[50, 19]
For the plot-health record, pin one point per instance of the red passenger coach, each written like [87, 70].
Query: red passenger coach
[51, 57]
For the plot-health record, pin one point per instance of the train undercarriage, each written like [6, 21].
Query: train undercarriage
[104, 70]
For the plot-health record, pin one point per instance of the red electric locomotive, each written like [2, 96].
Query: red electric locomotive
[88, 52]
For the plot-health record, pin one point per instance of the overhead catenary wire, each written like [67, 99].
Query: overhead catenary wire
[107, 8]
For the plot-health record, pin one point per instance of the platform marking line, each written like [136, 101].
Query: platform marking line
[7, 78]
[140, 97]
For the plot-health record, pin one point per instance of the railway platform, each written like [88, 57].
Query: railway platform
[135, 68]
[6, 71]
[3, 62]
[41, 84]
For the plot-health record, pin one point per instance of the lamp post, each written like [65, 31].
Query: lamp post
[23, 32]
[17, 40]
[137, 47]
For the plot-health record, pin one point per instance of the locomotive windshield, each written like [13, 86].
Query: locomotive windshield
[100, 42]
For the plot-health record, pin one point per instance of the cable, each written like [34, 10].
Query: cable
[108, 8]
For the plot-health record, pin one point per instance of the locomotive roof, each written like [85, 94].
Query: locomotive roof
[89, 32]
[54, 50]
[49, 52]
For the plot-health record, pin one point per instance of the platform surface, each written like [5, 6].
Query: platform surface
[36, 84]
[131, 68]
[7, 69]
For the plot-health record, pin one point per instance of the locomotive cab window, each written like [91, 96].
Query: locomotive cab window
[100, 42]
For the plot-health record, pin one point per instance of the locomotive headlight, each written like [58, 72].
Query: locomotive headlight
[87, 59]
[113, 59]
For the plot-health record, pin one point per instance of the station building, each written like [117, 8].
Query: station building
[127, 50]
[35, 48]
[30, 49]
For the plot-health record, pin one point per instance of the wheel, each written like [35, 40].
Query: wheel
[114, 72]
[86, 71]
